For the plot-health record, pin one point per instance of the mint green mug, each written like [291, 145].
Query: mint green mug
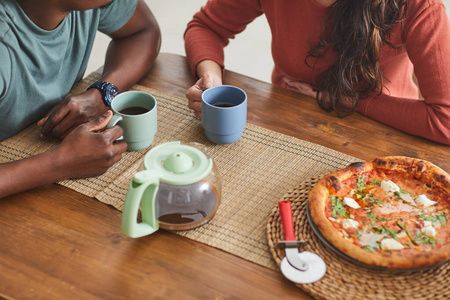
[136, 113]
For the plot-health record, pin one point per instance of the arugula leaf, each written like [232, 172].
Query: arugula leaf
[437, 218]
[424, 239]
[372, 200]
[390, 232]
[404, 228]
[425, 217]
[368, 248]
[441, 218]
[360, 183]
[376, 182]
[407, 232]
[405, 192]
[372, 216]
[338, 207]
[383, 230]
[380, 230]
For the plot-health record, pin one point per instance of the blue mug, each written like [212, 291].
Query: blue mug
[224, 113]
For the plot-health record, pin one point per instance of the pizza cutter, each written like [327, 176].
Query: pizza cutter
[299, 267]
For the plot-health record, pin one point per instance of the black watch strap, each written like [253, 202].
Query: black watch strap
[108, 90]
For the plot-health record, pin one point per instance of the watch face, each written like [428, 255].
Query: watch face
[111, 91]
[108, 90]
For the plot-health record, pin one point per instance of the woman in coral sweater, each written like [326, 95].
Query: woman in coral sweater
[349, 54]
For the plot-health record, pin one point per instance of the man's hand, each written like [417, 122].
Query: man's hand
[87, 151]
[71, 112]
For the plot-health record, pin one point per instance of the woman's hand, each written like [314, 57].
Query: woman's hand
[300, 86]
[194, 93]
[210, 74]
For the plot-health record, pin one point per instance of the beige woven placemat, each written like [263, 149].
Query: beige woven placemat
[256, 171]
[345, 279]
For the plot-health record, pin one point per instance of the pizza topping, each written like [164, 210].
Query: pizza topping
[350, 202]
[391, 244]
[408, 233]
[370, 241]
[424, 201]
[436, 219]
[338, 208]
[371, 200]
[428, 229]
[372, 216]
[424, 239]
[389, 186]
[402, 234]
[441, 218]
[349, 223]
[388, 209]
[407, 198]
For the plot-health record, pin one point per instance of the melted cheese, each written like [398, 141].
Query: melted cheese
[391, 244]
[350, 202]
[389, 186]
[424, 201]
[428, 229]
[349, 223]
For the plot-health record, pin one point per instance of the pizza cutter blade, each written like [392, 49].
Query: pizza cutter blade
[316, 268]
[303, 267]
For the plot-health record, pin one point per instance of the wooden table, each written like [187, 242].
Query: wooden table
[59, 244]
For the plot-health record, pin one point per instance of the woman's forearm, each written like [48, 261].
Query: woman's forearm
[209, 66]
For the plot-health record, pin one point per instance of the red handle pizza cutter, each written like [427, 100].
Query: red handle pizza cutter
[299, 267]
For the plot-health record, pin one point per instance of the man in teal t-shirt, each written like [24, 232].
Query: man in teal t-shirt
[44, 50]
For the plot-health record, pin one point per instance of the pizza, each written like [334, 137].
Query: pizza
[390, 212]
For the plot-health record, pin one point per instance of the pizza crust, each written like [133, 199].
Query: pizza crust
[424, 171]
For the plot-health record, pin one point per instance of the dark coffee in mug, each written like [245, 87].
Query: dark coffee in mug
[134, 110]
[223, 104]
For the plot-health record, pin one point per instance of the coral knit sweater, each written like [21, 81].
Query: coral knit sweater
[424, 40]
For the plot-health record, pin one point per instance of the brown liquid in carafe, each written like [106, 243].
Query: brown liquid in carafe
[175, 218]
[190, 215]
[134, 110]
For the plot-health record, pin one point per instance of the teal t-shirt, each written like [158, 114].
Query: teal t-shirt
[39, 67]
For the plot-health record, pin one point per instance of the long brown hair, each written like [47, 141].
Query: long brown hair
[354, 30]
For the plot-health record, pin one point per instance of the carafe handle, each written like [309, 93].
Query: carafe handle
[141, 193]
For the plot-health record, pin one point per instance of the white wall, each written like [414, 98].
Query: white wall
[248, 54]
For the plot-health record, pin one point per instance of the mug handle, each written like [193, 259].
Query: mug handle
[114, 120]
[141, 192]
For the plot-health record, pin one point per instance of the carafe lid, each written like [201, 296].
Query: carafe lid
[178, 164]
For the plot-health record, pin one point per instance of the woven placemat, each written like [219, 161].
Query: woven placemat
[256, 171]
[344, 279]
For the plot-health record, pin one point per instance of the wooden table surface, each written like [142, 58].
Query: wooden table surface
[59, 244]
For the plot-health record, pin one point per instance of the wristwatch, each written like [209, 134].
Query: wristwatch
[108, 90]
